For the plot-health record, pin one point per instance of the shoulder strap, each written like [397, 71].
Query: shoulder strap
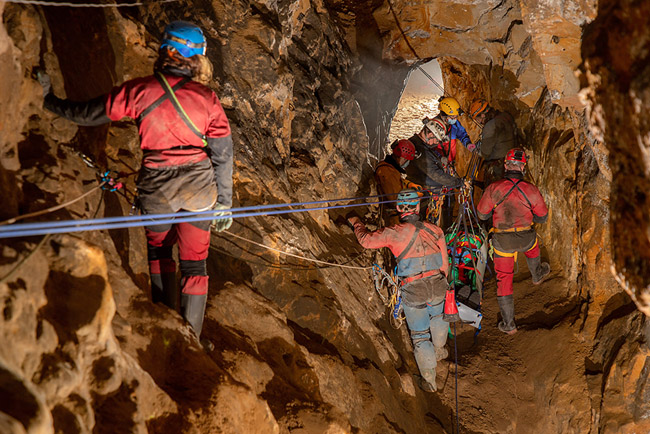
[162, 99]
[430, 232]
[530, 205]
[179, 109]
[410, 244]
[514, 185]
[505, 196]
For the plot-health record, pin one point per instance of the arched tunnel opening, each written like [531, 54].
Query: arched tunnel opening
[315, 92]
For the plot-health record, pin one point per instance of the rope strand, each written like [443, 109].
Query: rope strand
[317, 261]
[51, 209]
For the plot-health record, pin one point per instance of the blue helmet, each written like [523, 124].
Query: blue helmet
[185, 37]
[408, 198]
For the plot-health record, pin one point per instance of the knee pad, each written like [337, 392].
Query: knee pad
[193, 268]
[419, 336]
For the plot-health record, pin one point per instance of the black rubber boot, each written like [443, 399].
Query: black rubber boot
[193, 310]
[507, 306]
[538, 270]
[164, 289]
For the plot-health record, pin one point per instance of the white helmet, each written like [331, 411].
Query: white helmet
[438, 128]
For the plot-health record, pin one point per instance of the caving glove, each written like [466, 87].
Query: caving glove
[45, 81]
[221, 224]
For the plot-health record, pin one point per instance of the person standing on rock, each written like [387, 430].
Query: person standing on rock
[498, 136]
[429, 168]
[187, 159]
[390, 182]
[514, 206]
[422, 265]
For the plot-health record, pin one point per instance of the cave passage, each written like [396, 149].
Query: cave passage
[419, 98]
[315, 91]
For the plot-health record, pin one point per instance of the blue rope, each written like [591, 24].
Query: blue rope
[58, 227]
[148, 218]
[152, 220]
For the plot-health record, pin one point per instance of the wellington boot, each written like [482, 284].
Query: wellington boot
[193, 310]
[538, 270]
[164, 289]
[507, 306]
[425, 385]
[441, 353]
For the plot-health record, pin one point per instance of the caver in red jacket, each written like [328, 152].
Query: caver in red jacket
[514, 206]
[418, 255]
[180, 171]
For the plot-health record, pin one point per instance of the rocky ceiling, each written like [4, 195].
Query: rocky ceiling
[309, 87]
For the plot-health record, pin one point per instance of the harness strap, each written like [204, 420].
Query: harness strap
[160, 100]
[410, 244]
[418, 227]
[499, 231]
[179, 109]
[513, 254]
[505, 196]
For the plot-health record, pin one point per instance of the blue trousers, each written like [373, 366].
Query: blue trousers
[429, 334]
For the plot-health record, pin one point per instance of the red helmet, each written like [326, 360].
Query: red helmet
[404, 149]
[516, 154]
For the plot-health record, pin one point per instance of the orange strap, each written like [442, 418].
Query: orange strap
[513, 254]
[501, 231]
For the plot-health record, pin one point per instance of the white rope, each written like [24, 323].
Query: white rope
[52, 209]
[296, 256]
[86, 5]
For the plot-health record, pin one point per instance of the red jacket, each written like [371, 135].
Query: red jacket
[425, 257]
[163, 128]
[520, 208]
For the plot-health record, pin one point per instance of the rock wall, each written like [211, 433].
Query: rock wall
[310, 88]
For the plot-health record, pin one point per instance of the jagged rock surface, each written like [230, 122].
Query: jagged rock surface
[304, 349]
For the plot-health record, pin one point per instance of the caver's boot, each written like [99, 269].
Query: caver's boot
[427, 381]
[193, 310]
[539, 270]
[441, 353]
[507, 306]
[164, 289]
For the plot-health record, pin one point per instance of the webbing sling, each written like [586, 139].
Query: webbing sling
[505, 196]
[179, 109]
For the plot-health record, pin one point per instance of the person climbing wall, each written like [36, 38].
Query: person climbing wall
[187, 160]
[428, 168]
[388, 176]
[514, 206]
[498, 136]
[422, 265]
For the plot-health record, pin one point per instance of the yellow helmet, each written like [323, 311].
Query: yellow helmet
[449, 106]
